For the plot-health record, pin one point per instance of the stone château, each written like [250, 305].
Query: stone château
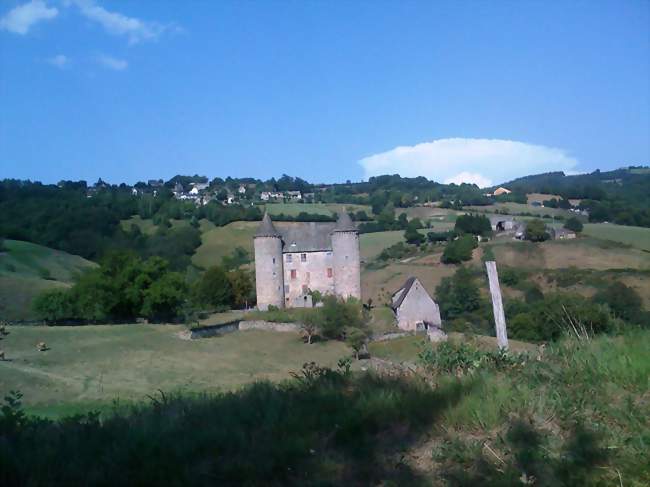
[300, 258]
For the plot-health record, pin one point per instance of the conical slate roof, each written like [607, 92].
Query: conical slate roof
[344, 223]
[266, 228]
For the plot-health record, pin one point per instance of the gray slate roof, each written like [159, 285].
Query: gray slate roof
[307, 237]
[344, 223]
[266, 228]
[405, 290]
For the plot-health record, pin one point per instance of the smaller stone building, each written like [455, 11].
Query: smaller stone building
[414, 309]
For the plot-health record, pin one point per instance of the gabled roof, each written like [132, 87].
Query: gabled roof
[344, 222]
[404, 292]
[266, 228]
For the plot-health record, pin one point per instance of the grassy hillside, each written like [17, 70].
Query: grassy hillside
[26, 269]
[635, 236]
[218, 242]
[584, 253]
[293, 209]
[371, 244]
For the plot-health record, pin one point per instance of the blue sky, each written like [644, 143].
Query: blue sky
[328, 91]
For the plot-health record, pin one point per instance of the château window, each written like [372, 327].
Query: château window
[304, 289]
[329, 272]
[303, 257]
[286, 289]
[294, 274]
[289, 258]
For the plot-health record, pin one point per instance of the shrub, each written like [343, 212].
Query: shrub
[624, 301]
[474, 224]
[459, 250]
[213, 288]
[458, 294]
[573, 224]
[412, 236]
[536, 231]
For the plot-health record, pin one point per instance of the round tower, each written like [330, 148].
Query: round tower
[269, 272]
[346, 257]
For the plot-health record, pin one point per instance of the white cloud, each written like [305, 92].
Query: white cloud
[479, 161]
[21, 18]
[119, 24]
[113, 63]
[470, 178]
[60, 61]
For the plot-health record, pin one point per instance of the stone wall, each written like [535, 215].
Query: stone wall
[270, 326]
[223, 329]
[269, 273]
[417, 307]
[347, 264]
[310, 272]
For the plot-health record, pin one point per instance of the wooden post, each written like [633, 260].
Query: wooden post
[497, 305]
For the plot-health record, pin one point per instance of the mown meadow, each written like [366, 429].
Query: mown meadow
[576, 414]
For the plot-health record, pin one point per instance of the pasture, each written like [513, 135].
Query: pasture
[517, 208]
[541, 197]
[371, 244]
[638, 237]
[26, 269]
[90, 366]
[293, 209]
[583, 253]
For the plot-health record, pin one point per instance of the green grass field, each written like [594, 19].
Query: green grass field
[516, 208]
[293, 209]
[217, 242]
[371, 244]
[26, 269]
[635, 236]
[90, 366]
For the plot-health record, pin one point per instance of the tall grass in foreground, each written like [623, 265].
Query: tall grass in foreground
[578, 416]
[591, 392]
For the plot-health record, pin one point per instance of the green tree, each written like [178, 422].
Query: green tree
[458, 294]
[164, 299]
[412, 236]
[213, 288]
[54, 305]
[573, 224]
[336, 315]
[474, 224]
[624, 301]
[356, 338]
[536, 231]
[459, 250]
[243, 291]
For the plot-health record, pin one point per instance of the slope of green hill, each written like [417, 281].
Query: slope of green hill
[26, 269]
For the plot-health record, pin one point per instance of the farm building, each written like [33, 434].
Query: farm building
[562, 233]
[501, 223]
[415, 310]
[501, 190]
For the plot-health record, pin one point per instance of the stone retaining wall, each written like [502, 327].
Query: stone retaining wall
[224, 328]
[267, 325]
